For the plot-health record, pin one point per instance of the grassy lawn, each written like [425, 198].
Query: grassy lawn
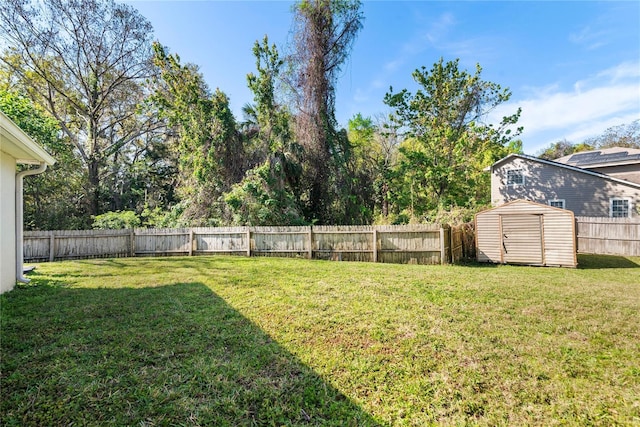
[231, 341]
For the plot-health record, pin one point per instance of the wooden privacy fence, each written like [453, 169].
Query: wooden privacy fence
[615, 236]
[413, 244]
[463, 243]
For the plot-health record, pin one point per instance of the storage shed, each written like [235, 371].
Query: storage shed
[524, 232]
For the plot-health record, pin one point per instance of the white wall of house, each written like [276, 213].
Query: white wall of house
[15, 148]
[7, 222]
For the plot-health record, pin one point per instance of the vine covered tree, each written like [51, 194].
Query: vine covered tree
[447, 140]
[324, 32]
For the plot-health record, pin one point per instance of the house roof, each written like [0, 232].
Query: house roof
[605, 157]
[19, 145]
[564, 166]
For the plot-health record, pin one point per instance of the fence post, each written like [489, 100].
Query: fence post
[451, 248]
[190, 241]
[375, 245]
[310, 255]
[52, 247]
[249, 242]
[132, 240]
[576, 223]
[442, 248]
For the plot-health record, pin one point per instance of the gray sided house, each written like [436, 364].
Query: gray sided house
[618, 162]
[583, 191]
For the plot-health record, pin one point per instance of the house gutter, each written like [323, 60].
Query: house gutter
[20, 219]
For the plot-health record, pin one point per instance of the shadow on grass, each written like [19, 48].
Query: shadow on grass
[591, 262]
[169, 355]
[585, 262]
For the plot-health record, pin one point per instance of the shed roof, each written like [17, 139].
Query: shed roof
[523, 202]
[19, 145]
[564, 166]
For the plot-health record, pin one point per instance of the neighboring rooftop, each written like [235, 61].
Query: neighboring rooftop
[599, 158]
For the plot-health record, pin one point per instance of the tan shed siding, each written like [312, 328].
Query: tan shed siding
[488, 237]
[559, 240]
[521, 238]
[558, 234]
[584, 194]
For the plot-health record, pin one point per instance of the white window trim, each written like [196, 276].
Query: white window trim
[628, 199]
[564, 204]
[513, 184]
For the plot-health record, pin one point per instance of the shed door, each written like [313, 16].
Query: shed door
[522, 238]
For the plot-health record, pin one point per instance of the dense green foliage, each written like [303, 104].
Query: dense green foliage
[133, 129]
[116, 220]
[207, 143]
[447, 145]
[268, 341]
[52, 200]
[269, 192]
[87, 63]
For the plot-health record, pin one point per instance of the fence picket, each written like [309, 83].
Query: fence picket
[418, 244]
[615, 236]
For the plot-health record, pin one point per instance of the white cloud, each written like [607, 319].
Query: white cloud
[564, 109]
[598, 127]
[392, 65]
[588, 38]
[609, 98]
[622, 71]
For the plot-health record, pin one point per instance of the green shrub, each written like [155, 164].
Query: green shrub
[116, 220]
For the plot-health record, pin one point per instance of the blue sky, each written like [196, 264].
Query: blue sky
[573, 67]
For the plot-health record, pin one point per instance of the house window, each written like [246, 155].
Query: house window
[619, 208]
[557, 203]
[515, 177]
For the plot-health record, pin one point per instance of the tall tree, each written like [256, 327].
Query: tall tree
[52, 201]
[361, 170]
[85, 62]
[375, 149]
[625, 135]
[563, 148]
[209, 148]
[448, 142]
[268, 194]
[324, 33]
